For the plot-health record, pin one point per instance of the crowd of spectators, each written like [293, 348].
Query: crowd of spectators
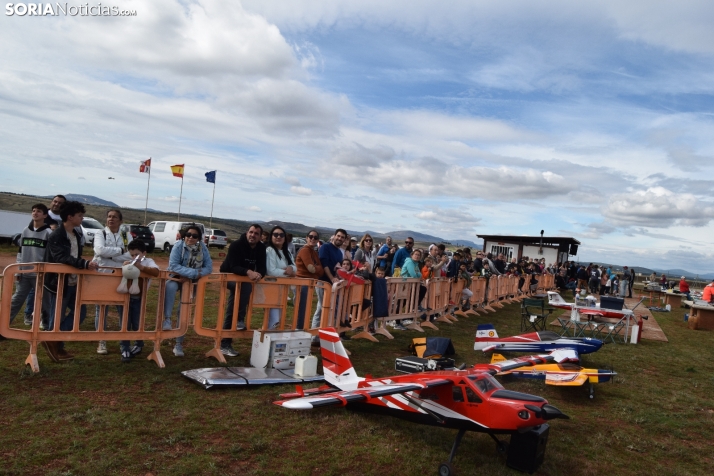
[54, 236]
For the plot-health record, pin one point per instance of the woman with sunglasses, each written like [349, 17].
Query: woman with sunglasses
[365, 254]
[279, 263]
[189, 259]
[308, 266]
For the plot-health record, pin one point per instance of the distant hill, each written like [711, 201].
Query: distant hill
[87, 200]
[403, 234]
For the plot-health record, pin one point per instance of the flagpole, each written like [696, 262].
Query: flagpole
[180, 195]
[146, 205]
[210, 223]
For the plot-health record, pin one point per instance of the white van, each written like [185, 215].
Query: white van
[166, 233]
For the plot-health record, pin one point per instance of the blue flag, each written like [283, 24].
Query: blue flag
[211, 176]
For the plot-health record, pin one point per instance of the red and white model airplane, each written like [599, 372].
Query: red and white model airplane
[557, 301]
[467, 400]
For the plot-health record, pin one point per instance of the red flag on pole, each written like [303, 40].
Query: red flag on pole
[145, 166]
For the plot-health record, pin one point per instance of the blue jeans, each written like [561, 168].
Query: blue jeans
[30, 304]
[172, 287]
[318, 312]
[24, 291]
[67, 309]
[133, 322]
[120, 310]
[245, 291]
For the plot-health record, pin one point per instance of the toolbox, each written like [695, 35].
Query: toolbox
[412, 365]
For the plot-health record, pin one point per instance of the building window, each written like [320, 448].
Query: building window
[506, 250]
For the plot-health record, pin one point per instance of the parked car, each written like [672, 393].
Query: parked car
[140, 233]
[166, 233]
[299, 243]
[215, 237]
[90, 226]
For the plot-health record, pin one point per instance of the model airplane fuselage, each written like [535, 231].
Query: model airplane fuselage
[542, 341]
[557, 301]
[468, 400]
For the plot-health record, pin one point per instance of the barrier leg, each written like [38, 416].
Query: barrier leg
[32, 358]
[416, 327]
[155, 355]
[381, 329]
[442, 318]
[216, 352]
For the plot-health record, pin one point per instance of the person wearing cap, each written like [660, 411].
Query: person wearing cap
[353, 247]
[684, 288]
[708, 293]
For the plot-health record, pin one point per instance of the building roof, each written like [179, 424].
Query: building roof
[535, 240]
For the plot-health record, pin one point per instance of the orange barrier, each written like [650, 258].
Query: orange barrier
[403, 296]
[478, 300]
[268, 293]
[348, 305]
[513, 289]
[438, 293]
[492, 293]
[93, 287]
[455, 296]
[502, 289]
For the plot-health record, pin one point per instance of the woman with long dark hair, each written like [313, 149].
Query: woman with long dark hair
[279, 262]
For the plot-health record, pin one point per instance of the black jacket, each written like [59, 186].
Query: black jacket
[241, 258]
[59, 250]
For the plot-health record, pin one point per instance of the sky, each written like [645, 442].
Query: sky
[590, 119]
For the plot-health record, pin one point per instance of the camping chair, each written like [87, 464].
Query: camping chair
[533, 314]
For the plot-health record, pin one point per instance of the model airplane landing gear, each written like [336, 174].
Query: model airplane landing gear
[592, 391]
[447, 469]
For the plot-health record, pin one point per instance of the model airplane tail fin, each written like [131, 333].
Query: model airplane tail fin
[555, 298]
[335, 362]
[486, 332]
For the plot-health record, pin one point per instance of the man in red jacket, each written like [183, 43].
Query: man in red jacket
[684, 288]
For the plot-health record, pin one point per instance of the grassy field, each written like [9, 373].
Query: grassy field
[96, 415]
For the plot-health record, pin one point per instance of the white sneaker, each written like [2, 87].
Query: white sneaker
[178, 350]
[102, 349]
[406, 322]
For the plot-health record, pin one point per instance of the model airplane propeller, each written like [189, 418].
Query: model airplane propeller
[467, 400]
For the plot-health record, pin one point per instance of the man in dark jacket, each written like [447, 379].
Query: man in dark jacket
[64, 246]
[246, 257]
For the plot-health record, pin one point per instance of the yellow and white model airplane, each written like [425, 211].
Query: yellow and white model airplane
[566, 374]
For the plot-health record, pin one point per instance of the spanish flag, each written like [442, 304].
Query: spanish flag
[177, 170]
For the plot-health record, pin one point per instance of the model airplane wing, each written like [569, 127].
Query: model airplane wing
[342, 398]
[557, 356]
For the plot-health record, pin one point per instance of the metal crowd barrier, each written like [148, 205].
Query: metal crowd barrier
[268, 293]
[98, 288]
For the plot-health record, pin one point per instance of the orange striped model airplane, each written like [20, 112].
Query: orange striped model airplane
[467, 400]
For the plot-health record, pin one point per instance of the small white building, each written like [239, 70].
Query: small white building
[555, 249]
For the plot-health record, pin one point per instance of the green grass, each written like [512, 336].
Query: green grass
[96, 415]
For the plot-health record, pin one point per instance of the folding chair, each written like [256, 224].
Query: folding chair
[610, 331]
[533, 314]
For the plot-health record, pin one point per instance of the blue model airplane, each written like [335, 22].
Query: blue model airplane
[542, 341]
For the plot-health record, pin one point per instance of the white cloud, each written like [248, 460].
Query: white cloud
[301, 190]
[254, 208]
[658, 207]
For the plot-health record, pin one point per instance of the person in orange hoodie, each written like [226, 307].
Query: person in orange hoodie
[708, 293]
[308, 266]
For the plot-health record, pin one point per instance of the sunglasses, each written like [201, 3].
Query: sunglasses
[409, 242]
[192, 235]
[312, 237]
[278, 235]
[368, 240]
